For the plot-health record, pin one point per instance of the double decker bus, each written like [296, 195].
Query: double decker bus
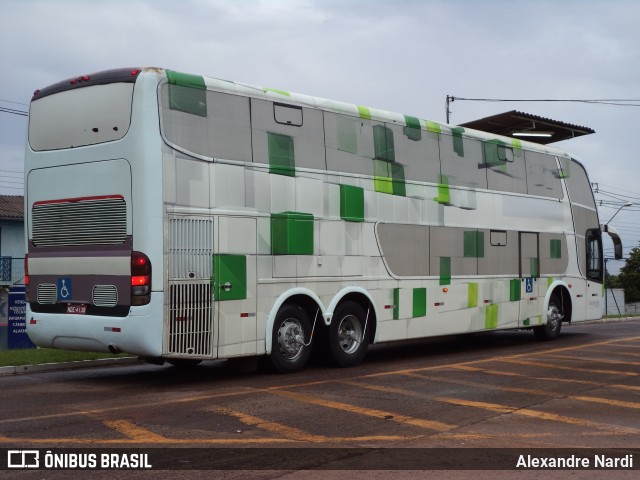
[182, 218]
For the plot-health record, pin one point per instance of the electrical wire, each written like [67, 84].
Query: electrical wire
[621, 102]
[13, 111]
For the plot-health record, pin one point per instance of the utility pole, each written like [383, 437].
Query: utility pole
[450, 99]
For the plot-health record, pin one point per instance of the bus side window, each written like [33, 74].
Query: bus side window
[543, 177]
[461, 160]
[271, 123]
[578, 183]
[594, 254]
[349, 144]
[418, 152]
[505, 167]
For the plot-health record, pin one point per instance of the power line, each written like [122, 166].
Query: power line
[13, 111]
[623, 102]
[11, 101]
[617, 195]
[618, 188]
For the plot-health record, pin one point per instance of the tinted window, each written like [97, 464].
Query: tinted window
[305, 131]
[350, 143]
[577, 183]
[219, 128]
[505, 167]
[461, 161]
[79, 117]
[543, 178]
[594, 254]
[418, 152]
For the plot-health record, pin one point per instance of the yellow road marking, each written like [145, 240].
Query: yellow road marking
[584, 398]
[501, 388]
[596, 360]
[546, 379]
[617, 352]
[298, 435]
[505, 409]
[573, 369]
[140, 434]
[606, 401]
[526, 412]
[370, 412]
[134, 432]
[272, 427]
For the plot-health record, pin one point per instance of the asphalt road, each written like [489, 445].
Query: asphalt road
[496, 392]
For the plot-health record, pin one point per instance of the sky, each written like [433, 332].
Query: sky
[398, 55]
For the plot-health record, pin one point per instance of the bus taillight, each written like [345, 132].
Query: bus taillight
[26, 277]
[140, 279]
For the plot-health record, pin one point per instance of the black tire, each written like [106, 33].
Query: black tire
[551, 329]
[291, 328]
[348, 340]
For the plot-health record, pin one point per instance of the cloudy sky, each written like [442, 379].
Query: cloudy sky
[398, 55]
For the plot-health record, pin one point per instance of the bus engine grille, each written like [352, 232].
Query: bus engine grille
[190, 319]
[91, 221]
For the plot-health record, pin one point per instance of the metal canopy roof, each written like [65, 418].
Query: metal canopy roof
[528, 127]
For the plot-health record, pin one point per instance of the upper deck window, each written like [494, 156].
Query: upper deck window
[577, 183]
[80, 117]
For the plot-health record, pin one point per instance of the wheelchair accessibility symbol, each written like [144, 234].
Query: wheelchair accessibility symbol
[529, 285]
[64, 289]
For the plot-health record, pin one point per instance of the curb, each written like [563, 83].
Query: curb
[51, 367]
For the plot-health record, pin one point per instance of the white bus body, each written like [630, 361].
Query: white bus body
[179, 217]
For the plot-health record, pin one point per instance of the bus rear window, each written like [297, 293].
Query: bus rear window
[79, 117]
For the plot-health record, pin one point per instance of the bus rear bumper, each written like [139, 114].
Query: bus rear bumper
[139, 333]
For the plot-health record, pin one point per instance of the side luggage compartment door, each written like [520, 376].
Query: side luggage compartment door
[234, 285]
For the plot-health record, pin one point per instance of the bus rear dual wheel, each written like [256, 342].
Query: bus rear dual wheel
[291, 339]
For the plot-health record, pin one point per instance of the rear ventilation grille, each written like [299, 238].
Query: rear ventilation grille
[47, 293]
[90, 221]
[105, 296]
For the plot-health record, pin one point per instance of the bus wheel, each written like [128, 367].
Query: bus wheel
[551, 329]
[291, 344]
[348, 340]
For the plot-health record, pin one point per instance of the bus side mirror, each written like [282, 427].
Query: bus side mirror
[615, 238]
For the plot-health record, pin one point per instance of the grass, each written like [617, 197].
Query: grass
[35, 356]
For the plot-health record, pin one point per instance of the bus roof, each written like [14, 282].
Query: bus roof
[335, 106]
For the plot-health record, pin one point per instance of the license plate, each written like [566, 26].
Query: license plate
[76, 309]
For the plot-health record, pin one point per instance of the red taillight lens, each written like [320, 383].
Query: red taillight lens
[26, 278]
[140, 279]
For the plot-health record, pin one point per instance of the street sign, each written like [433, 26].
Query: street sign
[17, 337]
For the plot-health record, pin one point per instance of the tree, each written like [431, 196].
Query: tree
[629, 277]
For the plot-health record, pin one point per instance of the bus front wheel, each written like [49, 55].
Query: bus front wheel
[348, 338]
[551, 329]
[291, 339]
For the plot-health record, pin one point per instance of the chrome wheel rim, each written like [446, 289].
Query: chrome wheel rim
[349, 334]
[291, 339]
[554, 315]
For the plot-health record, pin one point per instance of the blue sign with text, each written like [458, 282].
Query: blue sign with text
[17, 327]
